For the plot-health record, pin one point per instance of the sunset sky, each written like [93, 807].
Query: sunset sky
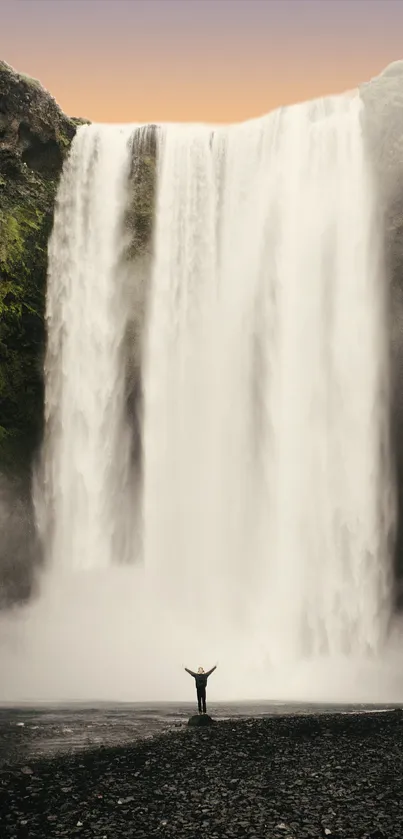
[197, 60]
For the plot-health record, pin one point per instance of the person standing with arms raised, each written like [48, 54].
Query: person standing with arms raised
[201, 683]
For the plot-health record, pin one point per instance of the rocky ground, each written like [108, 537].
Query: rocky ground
[287, 777]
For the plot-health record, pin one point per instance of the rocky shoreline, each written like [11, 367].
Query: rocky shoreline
[290, 777]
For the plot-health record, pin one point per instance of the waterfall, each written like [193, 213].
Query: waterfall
[84, 496]
[266, 499]
[266, 502]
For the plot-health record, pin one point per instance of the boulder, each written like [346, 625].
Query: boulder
[200, 721]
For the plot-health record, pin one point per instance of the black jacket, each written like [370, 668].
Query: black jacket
[200, 678]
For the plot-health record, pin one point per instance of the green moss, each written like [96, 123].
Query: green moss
[23, 244]
[64, 140]
[11, 242]
[17, 227]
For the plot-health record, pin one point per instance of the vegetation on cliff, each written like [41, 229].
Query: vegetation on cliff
[34, 138]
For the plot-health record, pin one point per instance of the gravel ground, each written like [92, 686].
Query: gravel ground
[337, 776]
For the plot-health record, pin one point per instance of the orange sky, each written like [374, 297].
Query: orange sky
[197, 60]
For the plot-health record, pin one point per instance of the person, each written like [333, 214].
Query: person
[201, 683]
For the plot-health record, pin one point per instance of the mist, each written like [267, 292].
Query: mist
[93, 636]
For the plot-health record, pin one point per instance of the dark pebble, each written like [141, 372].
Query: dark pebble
[336, 777]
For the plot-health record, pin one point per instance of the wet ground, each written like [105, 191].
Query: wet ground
[28, 733]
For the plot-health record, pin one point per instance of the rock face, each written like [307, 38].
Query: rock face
[34, 138]
[383, 125]
[139, 226]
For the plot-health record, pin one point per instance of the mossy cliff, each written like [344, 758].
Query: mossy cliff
[34, 138]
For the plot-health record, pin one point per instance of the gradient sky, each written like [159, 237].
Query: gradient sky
[197, 60]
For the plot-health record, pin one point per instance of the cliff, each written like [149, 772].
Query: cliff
[383, 126]
[34, 138]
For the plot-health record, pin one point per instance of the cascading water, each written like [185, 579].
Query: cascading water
[267, 502]
[86, 477]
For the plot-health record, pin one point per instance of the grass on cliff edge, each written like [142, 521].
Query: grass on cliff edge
[24, 232]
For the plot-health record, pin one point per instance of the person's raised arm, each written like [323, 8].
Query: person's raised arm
[190, 672]
[209, 672]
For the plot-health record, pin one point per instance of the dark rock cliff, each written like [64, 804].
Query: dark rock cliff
[34, 138]
[383, 126]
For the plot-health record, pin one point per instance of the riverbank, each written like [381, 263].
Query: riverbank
[337, 776]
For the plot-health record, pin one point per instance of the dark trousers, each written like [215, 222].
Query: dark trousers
[201, 698]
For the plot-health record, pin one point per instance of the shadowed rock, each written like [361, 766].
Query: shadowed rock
[383, 126]
[200, 721]
[35, 137]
